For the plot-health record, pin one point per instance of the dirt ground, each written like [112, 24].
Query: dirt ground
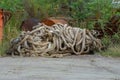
[84, 67]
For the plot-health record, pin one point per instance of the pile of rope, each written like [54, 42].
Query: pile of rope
[54, 41]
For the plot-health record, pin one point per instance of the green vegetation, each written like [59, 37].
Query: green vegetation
[113, 51]
[83, 13]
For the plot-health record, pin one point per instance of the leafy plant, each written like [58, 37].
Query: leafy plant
[14, 5]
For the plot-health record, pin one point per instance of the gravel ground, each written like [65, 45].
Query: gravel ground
[84, 67]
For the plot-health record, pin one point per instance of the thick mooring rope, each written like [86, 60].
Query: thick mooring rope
[56, 41]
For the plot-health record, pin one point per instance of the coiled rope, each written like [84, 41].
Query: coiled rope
[56, 41]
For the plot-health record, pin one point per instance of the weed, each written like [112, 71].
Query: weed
[113, 51]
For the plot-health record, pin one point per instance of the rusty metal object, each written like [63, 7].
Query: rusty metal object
[4, 17]
[27, 25]
[52, 21]
[1, 24]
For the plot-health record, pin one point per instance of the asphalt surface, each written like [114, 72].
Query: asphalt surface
[68, 68]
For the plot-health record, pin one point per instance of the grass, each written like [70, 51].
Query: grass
[11, 30]
[3, 47]
[113, 51]
[113, 46]
[5, 43]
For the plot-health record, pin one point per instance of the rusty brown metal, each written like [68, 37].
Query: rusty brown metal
[52, 21]
[4, 17]
[27, 25]
[1, 24]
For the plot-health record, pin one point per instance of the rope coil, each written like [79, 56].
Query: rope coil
[56, 41]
